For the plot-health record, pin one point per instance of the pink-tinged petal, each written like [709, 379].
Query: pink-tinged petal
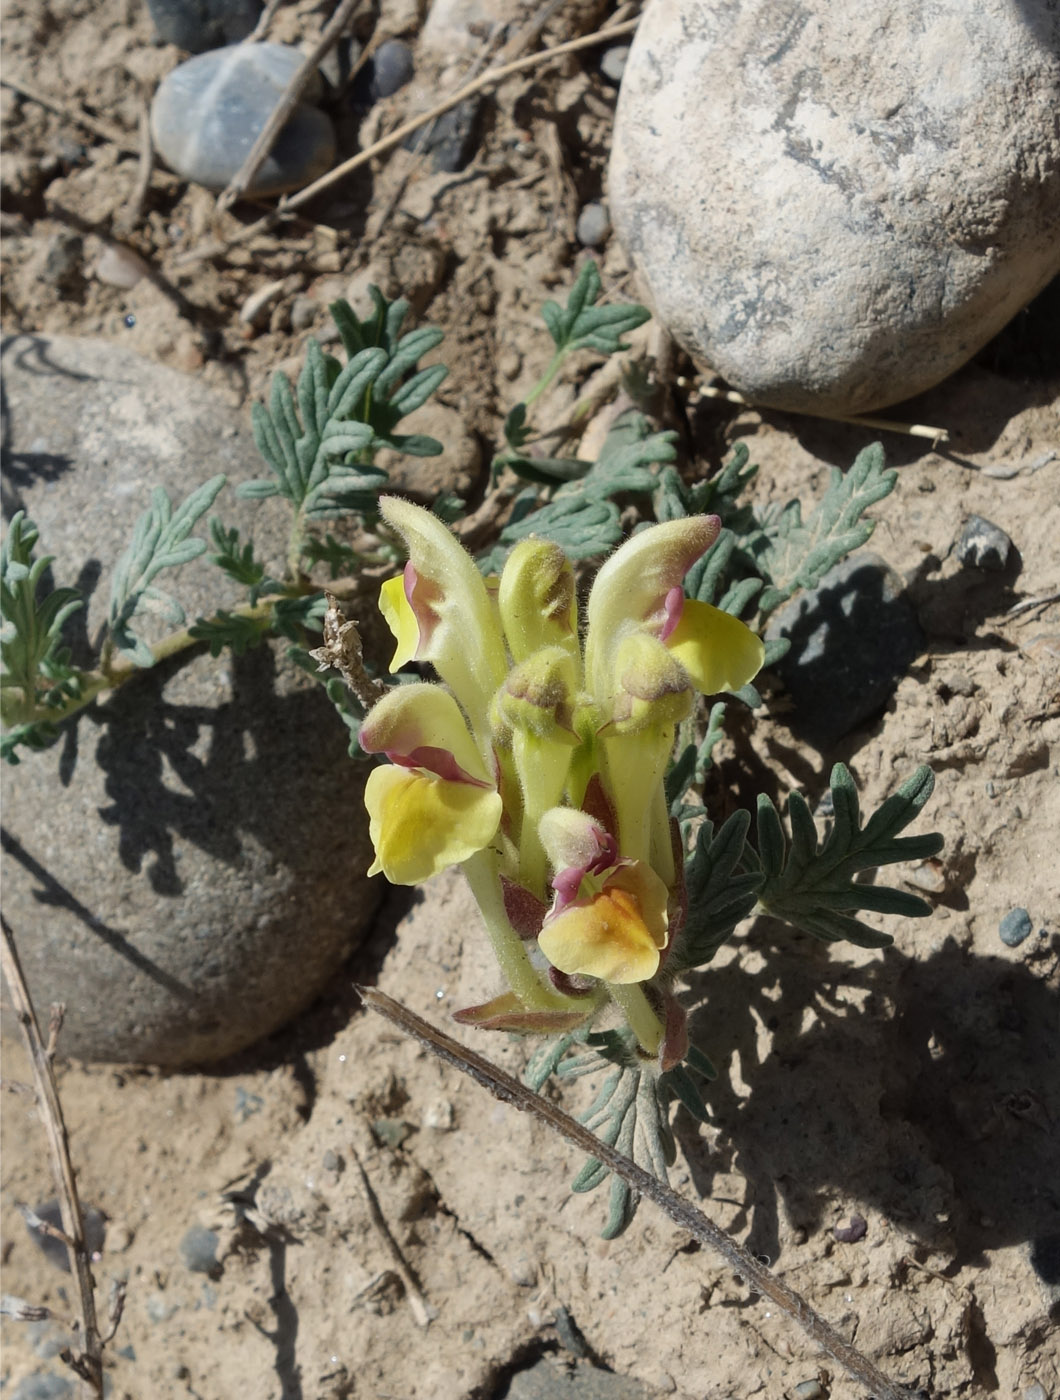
[419, 824]
[458, 630]
[632, 588]
[506, 1013]
[617, 934]
[424, 720]
[440, 762]
[673, 607]
[719, 652]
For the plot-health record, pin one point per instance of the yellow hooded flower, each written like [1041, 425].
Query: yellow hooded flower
[437, 805]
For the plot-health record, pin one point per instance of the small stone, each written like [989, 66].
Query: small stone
[853, 637]
[332, 1162]
[808, 1390]
[392, 67]
[438, 1114]
[255, 310]
[391, 1132]
[198, 1249]
[120, 267]
[929, 876]
[594, 225]
[95, 1227]
[62, 260]
[208, 113]
[1015, 927]
[852, 1233]
[198, 25]
[452, 139]
[303, 313]
[523, 1271]
[983, 545]
[613, 63]
[823, 243]
[1035, 1391]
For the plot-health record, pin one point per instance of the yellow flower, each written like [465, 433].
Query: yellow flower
[617, 933]
[609, 917]
[438, 804]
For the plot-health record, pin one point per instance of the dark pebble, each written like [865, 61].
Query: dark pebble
[1015, 927]
[198, 25]
[95, 1228]
[391, 68]
[452, 140]
[62, 261]
[852, 639]
[852, 1233]
[198, 1249]
[983, 545]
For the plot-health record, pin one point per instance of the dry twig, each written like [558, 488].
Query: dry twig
[883, 425]
[278, 118]
[130, 215]
[88, 1363]
[417, 1303]
[755, 1274]
[386, 143]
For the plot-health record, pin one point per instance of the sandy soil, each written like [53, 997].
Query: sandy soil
[918, 1088]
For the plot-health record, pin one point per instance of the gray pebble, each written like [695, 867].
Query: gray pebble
[613, 63]
[207, 114]
[1035, 1391]
[303, 313]
[198, 1249]
[1015, 927]
[452, 139]
[198, 25]
[594, 225]
[809, 1390]
[62, 261]
[392, 67]
[43, 1387]
[332, 1162]
[983, 545]
[852, 638]
[95, 1228]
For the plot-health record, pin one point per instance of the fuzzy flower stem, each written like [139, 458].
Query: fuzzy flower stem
[510, 951]
[645, 1025]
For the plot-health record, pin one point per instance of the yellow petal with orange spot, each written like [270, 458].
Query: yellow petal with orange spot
[618, 935]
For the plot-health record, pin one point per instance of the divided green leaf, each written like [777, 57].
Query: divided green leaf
[812, 883]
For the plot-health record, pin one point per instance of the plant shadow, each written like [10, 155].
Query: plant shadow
[924, 1087]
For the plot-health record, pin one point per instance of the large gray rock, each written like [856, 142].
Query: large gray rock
[186, 868]
[835, 205]
[207, 114]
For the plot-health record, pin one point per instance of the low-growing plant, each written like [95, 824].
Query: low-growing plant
[561, 759]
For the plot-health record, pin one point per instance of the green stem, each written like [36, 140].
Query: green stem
[546, 379]
[509, 949]
[111, 676]
[630, 999]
